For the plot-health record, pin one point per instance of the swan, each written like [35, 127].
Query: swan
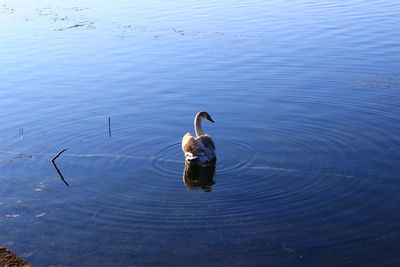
[199, 150]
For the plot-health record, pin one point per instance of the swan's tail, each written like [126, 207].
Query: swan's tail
[198, 158]
[190, 156]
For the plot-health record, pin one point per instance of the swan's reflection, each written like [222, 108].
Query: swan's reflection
[195, 176]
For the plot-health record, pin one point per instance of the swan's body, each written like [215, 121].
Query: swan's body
[198, 150]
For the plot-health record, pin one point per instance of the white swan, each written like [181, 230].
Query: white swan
[199, 150]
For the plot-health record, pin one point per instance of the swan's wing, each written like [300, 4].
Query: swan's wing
[190, 144]
[200, 149]
[206, 140]
[187, 141]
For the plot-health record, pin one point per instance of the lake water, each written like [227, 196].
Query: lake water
[306, 99]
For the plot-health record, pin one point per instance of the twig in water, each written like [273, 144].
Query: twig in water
[59, 173]
[58, 154]
[109, 126]
[57, 169]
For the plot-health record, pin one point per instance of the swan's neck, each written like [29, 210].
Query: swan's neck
[197, 126]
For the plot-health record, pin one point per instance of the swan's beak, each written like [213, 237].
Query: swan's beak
[209, 118]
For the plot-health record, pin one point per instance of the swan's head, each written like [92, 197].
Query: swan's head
[204, 116]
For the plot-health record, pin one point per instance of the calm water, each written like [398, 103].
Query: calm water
[305, 95]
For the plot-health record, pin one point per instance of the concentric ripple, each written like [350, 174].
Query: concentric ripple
[169, 160]
[235, 156]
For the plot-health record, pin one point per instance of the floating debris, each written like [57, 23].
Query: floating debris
[378, 81]
[6, 10]
[179, 32]
[12, 215]
[87, 24]
[288, 249]
[70, 27]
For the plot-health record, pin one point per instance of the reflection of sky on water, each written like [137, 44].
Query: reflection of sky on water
[305, 96]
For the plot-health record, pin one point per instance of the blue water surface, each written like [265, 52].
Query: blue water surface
[305, 95]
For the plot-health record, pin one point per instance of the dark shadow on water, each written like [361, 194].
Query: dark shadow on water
[195, 176]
